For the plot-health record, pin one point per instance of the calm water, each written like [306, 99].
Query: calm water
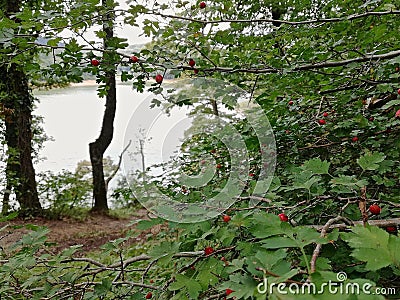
[73, 116]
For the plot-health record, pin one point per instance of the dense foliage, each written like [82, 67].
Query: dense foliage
[326, 73]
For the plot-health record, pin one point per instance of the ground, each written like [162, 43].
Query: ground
[92, 232]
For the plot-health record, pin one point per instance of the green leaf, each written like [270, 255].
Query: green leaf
[349, 181]
[390, 104]
[367, 240]
[266, 225]
[101, 289]
[316, 166]
[279, 242]
[208, 272]
[269, 258]
[243, 286]
[147, 224]
[164, 249]
[370, 160]
[192, 286]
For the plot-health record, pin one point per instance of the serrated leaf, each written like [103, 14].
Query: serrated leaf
[317, 166]
[266, 225]
[390, 104]
[191, 286]
[243, 286]
[350, 181]
[165, 249]
[366, 241]
[269, 258]
[370, 160]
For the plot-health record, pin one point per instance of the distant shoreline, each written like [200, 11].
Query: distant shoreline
[88, 82]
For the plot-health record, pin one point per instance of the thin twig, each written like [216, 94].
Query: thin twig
[118, 165]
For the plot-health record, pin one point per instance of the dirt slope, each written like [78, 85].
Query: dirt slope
[93, 232]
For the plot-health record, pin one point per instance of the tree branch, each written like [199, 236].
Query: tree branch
[317, 249]
[268, 20]
[379, 223]
[118, 165]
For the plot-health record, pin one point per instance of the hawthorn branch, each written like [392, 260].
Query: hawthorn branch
[203, 54]
[362, 204]
[269, 20]
[341, 141]
[378, 223]
[317, 249]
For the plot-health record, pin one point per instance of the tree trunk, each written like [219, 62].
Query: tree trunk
[100, 145]
[18, 103]
[20, 172]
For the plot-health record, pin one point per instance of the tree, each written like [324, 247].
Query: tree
[18, 104]
[100, 145]
[327, 77]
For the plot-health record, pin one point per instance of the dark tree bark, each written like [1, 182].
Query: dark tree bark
[20, 173]
[214, 107]
[100, 145]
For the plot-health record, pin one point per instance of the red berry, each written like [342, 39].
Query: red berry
[134, 59]
[219, 166]
[354, 139]
[325, 114]
[192, 62]
[251, 174]
[159, 78]
[375, 209]
[196, 71]
[397, 115]
[321, 122]
[398, 91]
[226, 218]
[151, 281]
[149, 295]
[208, 250]
[290, 102]
[371, 118]
[229, 291]
[283, 217]
[95, 62]
[391, 229]
[213, 151]
[202, 4]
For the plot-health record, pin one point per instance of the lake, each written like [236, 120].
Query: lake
[73, 116]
